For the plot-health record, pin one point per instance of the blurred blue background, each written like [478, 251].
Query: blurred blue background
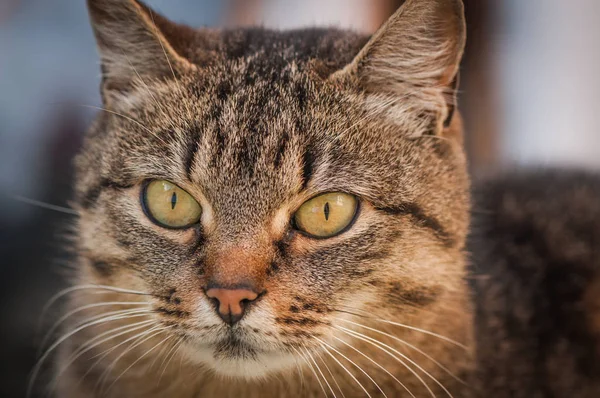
[530, 96]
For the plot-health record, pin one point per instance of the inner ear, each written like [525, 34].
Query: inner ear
[135, 42]
[453, 103]
[414, 57]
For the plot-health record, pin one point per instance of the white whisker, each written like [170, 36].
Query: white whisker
[312, 369]
[75, 288]
[83, 308]
[353, 363]
[319, 370]
[106, 352]
[427, 332]
[390, 350]
[142, 81]
[42, 359]
[93, 343]
[137, 360]
[176, 346]
[346, 370]
[330, 373]
[124, 312]
[156, 32]
[45, 205]
[376, 364]
[445, 369]
[132, 120]
[140, 340]
[439, 336]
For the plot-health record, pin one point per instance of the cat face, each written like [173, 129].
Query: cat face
[260, 186]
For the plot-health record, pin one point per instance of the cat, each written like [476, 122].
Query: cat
[267, 214]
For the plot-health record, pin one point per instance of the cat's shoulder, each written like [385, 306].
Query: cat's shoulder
[535, 254]
[550, 215]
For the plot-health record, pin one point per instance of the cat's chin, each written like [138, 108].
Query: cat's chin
[241, 363]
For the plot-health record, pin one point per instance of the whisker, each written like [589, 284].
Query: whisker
[106, 352]
[137, 360]
[142, 81]
[44, 205]
[312, 369]
[445, 369]
[179, 86]
[439, 336]
[159, 354]
[388, 350]
[319, 370]
[156, 32]
[127, 311]
[330, 373]
[75, 288]
[375, 363]
[132, 120]
[93, 343]
[178, 344]
[155, 331]
[346, 370]
[58, 342]
[83, 308]
[427, 332]
[299, 370]
[355, 365]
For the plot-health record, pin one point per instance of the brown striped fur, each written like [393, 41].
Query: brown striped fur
[252, 123]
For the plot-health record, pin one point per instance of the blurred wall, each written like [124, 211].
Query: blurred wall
[548, 70]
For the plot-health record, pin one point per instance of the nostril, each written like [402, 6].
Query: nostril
[214, 301]
[231, 303]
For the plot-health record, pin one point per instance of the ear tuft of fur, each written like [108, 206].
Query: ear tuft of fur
[132, 44]
[415, 56]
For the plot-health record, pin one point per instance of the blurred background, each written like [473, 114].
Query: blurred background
[530, 95]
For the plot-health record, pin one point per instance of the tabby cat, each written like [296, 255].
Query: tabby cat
[269, 214]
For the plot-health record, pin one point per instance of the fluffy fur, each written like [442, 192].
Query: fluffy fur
[252, 123]
[536, 268]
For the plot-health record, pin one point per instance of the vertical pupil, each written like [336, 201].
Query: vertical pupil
[173, 200]
[326, 210]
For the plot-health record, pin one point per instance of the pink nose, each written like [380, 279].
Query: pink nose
[231, 302]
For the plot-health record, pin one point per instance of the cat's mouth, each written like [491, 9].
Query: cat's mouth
[233, 355]
[233, 347]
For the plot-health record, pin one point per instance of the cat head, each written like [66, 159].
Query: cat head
[260, 186]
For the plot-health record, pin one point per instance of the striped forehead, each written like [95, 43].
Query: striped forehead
[249, 146]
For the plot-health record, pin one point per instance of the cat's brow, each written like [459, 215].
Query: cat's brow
[90, 197]
[190, 152]
[422, 219]
[308, 161]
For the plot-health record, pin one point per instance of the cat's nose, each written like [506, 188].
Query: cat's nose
[231, 303]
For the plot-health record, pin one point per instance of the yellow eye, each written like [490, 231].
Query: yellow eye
[326, 215]
[170, 206]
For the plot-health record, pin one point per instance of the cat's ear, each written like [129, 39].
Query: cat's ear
[415, 56]
[134, 42]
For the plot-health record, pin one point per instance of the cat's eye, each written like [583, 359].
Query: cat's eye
[170, 206]
[326, 215]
